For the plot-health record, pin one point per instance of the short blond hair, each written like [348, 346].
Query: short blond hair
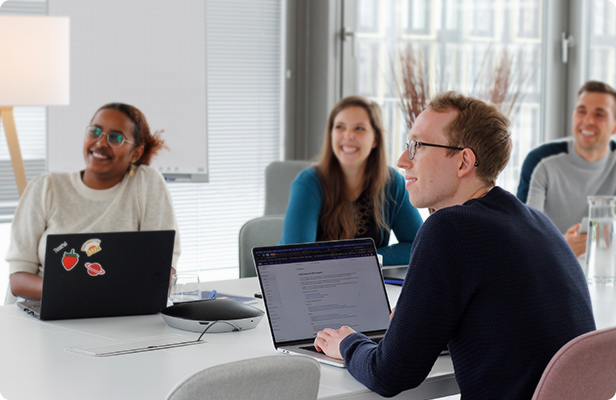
[479, 126]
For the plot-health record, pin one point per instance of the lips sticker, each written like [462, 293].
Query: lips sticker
[94, 269]
[69, 260]
[92, 246]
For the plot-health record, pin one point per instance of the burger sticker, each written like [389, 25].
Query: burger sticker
[92, 246]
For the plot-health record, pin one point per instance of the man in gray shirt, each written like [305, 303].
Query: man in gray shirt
[557, 177]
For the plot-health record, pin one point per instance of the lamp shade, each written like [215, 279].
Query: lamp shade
[34, 61]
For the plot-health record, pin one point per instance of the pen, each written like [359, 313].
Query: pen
[212, 295]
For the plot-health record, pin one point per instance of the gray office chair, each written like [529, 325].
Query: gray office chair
[272, 377]
[262, 231]
[278, 178]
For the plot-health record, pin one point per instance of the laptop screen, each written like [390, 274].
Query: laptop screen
[309, 287]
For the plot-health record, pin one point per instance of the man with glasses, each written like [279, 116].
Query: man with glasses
[489, 277]
[558, 177]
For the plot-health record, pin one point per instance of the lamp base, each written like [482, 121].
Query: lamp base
[6, 114]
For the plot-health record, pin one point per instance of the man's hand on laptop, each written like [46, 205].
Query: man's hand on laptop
[328, 340]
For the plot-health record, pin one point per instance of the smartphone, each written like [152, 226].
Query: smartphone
[583, 226]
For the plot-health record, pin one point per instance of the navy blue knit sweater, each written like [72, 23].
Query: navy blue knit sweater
[495, 281]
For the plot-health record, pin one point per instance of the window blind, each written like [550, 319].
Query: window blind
[245, 103]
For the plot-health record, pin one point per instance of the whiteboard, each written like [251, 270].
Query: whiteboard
[147, 53]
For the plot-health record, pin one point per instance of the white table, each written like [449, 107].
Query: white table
[36, 366]
[603, 305]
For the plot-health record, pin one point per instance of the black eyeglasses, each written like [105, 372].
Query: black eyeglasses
[412, 146]
[115, 140]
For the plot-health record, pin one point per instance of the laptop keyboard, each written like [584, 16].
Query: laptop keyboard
[375, 340]
[312, 348]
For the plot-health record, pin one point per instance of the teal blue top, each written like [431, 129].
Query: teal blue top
[301, 222]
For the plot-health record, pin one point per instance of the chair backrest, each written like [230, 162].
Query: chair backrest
[585, 368]
[278, 178]
[262, 231]
[272, 377]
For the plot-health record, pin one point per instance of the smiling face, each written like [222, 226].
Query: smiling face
[352, 138]
[431, 177]
[593, 124]
[105, 165]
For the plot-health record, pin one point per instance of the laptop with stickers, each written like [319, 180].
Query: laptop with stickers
[311, 286]
[108, 274]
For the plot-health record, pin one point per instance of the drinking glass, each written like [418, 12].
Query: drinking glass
[600, 248]
[184, 287]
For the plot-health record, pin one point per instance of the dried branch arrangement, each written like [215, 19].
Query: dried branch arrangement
[415, 93]
[502, 85]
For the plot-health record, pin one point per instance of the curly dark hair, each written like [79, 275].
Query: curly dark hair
[152, 143]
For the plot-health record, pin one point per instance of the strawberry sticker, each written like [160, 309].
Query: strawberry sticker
[69, 260]
[94, 269]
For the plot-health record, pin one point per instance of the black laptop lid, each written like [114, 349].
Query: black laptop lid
[311, 286]
[106, 274]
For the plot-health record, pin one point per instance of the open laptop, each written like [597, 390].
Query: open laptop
[395, 274]
[311, 286]
[104, 275]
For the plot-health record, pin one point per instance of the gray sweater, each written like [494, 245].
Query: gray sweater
[557, 181]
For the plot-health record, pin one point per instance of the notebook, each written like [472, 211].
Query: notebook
[311, 286]
[395, 274]
[104, 275]
[205, 294]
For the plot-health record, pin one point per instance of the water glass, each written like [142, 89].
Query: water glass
[600, 248]
[184, 287]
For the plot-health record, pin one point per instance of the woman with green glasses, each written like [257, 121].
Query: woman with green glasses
[116, 191]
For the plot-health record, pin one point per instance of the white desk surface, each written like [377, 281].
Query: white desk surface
[36, 366]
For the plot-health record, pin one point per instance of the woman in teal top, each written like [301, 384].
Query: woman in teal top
[351, 192]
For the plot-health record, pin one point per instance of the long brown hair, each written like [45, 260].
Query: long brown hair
[337, 220]
[152, 143]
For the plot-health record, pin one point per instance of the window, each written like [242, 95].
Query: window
[601, 60]
[455, 42]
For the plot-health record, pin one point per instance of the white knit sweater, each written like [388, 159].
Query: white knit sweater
[61, 203]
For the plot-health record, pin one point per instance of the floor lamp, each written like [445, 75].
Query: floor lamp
[34, 71]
